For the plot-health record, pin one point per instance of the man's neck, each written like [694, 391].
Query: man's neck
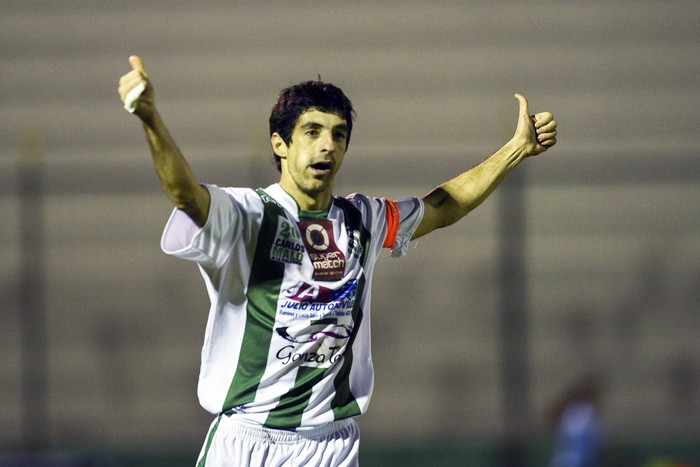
[308, 202]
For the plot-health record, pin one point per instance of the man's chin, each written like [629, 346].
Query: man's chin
[317, 187]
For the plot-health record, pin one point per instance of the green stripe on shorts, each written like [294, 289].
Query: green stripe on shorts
[210, 437]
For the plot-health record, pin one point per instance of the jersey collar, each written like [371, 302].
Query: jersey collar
[290, 205]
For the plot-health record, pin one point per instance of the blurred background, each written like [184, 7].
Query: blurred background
[583, 264]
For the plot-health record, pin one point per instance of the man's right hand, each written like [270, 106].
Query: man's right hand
[140, 103]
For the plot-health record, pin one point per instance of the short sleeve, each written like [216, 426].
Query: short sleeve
[410, 213]
[210, 244]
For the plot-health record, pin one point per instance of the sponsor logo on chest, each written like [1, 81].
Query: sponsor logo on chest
[314, 238]
[326, 257]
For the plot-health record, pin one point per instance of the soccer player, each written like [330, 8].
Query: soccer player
[286, 363]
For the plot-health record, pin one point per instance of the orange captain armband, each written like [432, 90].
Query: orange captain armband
[392, 223]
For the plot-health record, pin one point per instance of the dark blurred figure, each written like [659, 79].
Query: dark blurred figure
[578, 426]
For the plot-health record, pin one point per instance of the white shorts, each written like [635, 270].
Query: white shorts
[232, 443]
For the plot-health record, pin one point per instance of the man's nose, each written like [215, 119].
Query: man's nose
[327, 142]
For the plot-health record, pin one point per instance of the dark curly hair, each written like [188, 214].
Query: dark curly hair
[299, 98]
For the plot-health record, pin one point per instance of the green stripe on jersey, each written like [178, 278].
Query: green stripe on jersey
[344, 404]
[288, 412]
[263, 291]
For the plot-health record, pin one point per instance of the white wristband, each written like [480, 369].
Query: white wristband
[133, 96]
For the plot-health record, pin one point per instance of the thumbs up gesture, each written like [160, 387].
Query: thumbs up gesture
[535, 133]
[135, 90]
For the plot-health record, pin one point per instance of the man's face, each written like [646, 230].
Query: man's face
[314, 154]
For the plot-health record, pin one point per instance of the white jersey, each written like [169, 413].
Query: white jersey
[287, 342]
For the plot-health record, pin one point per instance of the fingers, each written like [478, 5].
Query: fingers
[129, 81]
[542, 119]
[523, 112]
[136, 76]
[547, 139]
[137, 64]
[546, 128]
[537, 131]
[134, 85]
[524, 127]
[542, 126]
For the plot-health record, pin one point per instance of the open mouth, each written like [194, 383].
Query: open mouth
[322, 167]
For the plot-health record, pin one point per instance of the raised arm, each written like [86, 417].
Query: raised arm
[454, 199]
[176, 177]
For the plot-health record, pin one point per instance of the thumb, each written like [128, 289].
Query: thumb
[137, 64]
[524, 112]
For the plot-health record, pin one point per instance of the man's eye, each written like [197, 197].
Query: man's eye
[341, 136]
[312, 133]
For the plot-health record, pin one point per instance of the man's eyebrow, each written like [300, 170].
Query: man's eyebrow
[309, 125]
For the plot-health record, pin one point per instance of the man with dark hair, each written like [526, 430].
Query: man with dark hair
[286, 362]
[295, 100]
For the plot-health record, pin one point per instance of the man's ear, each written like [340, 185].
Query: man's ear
[278, 145]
